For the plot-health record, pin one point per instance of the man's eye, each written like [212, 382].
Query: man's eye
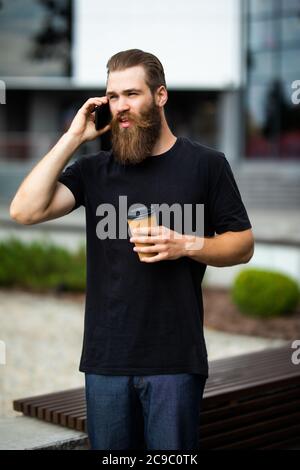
[132, 93]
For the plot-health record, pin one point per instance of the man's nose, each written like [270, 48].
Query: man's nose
[122, 105]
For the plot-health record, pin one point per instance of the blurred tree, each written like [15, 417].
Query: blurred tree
[53, 40]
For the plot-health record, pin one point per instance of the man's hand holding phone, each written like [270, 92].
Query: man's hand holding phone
[83, 125]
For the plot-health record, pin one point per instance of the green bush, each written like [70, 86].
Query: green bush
[265, 293]
[41, 265]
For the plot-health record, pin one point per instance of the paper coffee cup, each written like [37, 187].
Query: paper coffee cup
[142, 216]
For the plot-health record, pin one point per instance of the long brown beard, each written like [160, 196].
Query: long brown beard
[136, 142]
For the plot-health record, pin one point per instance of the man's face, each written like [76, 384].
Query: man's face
[136, 119]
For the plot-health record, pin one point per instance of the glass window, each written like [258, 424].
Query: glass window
[290, 64]
[259, 8]
[263, 34]
[262, 65]
[262, 121]
[291, 30]
[272, 118]
[257, 96]
[291, 6]
[35, 38]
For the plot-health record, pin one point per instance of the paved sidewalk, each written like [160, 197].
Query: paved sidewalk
[43, 337]
[23, 433]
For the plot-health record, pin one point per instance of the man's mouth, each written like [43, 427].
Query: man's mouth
[124, 122]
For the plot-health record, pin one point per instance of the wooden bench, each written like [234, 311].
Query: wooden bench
[251, 401]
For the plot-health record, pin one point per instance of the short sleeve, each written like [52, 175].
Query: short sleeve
[71, 177]
[226, 208]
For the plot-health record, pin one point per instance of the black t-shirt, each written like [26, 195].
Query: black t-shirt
[147, 318]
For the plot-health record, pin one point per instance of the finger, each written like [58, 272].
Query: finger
[151, 230]
[154, 259]
[149, 249]
[90, 104]
[141, 239]
[155, 229]
[104, 129]
[147, 239]
[98, 99]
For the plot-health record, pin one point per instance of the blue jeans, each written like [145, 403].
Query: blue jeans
[157, 412]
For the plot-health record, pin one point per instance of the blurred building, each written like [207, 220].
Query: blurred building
[230, 66]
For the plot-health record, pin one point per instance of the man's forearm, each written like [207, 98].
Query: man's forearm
[227, 249]
[35, 192]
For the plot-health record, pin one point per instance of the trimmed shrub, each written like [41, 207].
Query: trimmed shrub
[265, 293]
[41, 265]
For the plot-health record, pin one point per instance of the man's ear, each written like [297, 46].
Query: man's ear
[161, 96]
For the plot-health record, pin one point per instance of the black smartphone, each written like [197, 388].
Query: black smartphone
[102, 116]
